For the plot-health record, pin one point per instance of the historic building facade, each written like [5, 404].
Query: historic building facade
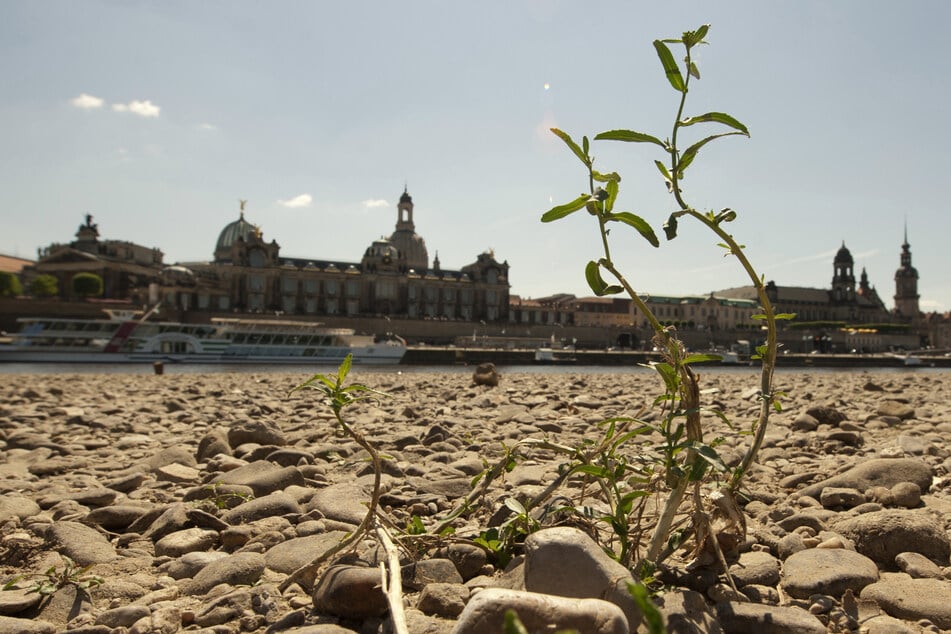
[248, 274]
[125, 268]
[395, 279]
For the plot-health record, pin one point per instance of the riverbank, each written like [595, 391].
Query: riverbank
[442, 355]
[195, 497]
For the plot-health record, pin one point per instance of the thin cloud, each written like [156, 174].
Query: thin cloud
[207, 126]
[142, 108]
[297, 202]
[86, 102]
[373, 204]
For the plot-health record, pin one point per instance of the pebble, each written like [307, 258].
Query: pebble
[194, 496]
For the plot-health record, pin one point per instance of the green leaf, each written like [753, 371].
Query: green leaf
[629, 136]
[784, 316]
[611, 187]
[638, 223]
[694, 70]
[670, 66]
[592, 273]
[604, 178]
[717, 117]
[594, 470]
[344, 368]
[691, 152]
[571, 144]
[556, 213]
[702, 358]
[692, 38]
[709, 454]
[515, 506]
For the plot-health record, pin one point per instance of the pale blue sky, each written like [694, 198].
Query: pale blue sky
[156, 117]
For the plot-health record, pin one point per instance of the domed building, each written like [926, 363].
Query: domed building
[410, 246]
[393, 278]
[843, 318]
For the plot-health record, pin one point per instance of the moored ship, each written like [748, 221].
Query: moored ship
[122, 337]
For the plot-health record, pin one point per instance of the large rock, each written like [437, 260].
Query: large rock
[565, 561]
[237, 569]
[767, 619]
[829, 571]
[83, 544]
[485, 613]
[351, 592]
[913, 599]
[883, 535]
[886, 472]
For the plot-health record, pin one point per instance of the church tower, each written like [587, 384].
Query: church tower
[843, 280]
[906, 284]
[412, 253]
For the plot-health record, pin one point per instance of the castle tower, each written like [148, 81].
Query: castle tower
[906, 284]
[843, 279]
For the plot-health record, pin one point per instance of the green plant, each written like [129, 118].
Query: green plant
[684, 457]
[10, 285]
[54, 578]
[87, 285]
[338, 396]
[44, 285]
[219, 500]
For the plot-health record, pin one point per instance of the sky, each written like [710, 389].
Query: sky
[158, 117]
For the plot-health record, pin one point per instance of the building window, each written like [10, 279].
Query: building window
[224, 302]
[289, 305]
[330, 286]
[310, 287]
[353, 306]
[353, 288]
[256, 283]
[385, 289]
[204, 300]
[256, 259]
[310, 305]
[289, 284]
[331, 307]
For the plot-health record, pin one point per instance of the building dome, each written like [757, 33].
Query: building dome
[380, 256]
[844, 255]
[411, 248]
[240, 228]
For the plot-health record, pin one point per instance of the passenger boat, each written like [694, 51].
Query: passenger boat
[127, 337]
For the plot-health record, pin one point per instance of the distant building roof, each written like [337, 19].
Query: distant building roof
[11, 264]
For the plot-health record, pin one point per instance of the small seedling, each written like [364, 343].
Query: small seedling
[71, 574]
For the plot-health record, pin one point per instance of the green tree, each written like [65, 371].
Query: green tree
[10, 284]
[87, 285]
[44, 286]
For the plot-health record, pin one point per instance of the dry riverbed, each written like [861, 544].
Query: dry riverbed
[194, 498]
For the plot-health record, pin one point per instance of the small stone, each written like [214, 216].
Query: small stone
[918, 566]
[906, 495]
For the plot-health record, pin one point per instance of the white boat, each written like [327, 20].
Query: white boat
[125, 338]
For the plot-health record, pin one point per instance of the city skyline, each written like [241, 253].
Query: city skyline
[157, 118]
